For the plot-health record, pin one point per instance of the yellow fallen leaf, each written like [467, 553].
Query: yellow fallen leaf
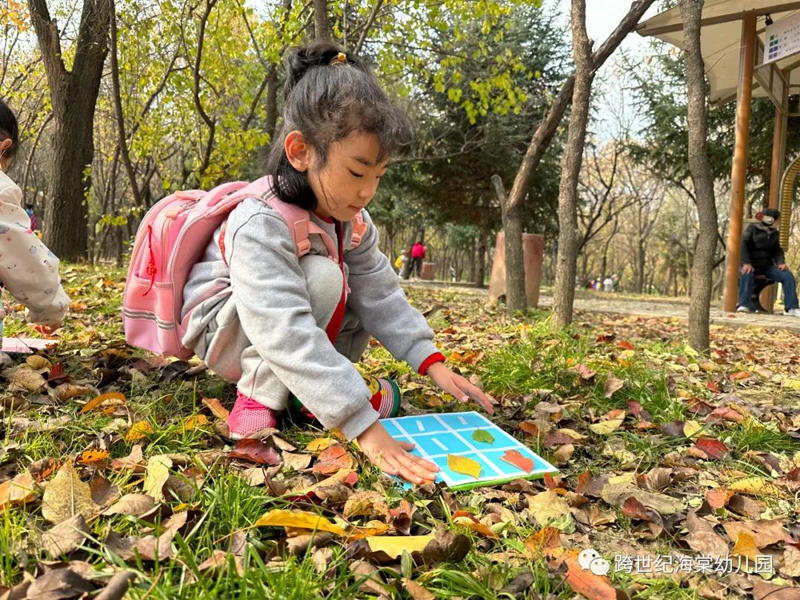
[17, 491]
[394, 546]
[745, 546]
[195, 422]
[139, 430]
[66, 495]
[572, 433]
[300, 520]
[464, 465]
[37, 362]
[320, 444]
[756, 486]
[605, 427]
[156, 475]
[99, 400]
[691, 428]
[339, 477]
[793, 384]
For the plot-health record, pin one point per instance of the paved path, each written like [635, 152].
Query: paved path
[609, 303]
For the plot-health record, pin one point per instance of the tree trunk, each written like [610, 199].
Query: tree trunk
[703, 266]
[516, 299]
[74, 97]
[321, 31]
[480, 259]
[568, 234]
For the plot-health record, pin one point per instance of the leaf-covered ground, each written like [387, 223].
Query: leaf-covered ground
[682, 471]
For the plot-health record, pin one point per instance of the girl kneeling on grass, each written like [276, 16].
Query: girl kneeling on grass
[27, 268]
[291, 328]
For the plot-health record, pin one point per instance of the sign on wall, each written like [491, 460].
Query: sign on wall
[782, 38]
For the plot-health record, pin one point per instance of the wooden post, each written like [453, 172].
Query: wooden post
[747, 54]
[776, 172]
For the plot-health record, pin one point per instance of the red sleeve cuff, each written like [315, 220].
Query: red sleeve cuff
[433, 358]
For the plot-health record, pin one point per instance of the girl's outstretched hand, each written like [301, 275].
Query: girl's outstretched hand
[460, 387]
[392, 457]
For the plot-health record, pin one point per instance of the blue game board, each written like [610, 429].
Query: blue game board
[437, 435]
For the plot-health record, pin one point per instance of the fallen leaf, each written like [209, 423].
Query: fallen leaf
[605, 427]
[547, 506]
[37, 362]
[691, 428]
[718, 498]
[134, 461]
[585, 372]
[60, 583]
[756, 486]
[255, 451]
[138, 431]
[562, 455]
[791, 562]
[586, 583]
[156, 475]
[103, 491]
[416, 591]
[366, 504]
[66, 496]
[483, 436]
[616, 494]
[65, 537]
[515, 458]
[713, 448]
[23, 378]
[464, 465]
[763, 531]
[298, 462]
[446, 546]
[299, 520]
[673, 429]
[724, 413]
[93, 455]
[394, 546]
[745, 546]
[67, 391]
[767, 591]
[636, 510]
[131, 504]
[368, 579]
[216, 408]
[332, 459]
[16, 491]
[320, 444]
[195, 422]
[612, 385]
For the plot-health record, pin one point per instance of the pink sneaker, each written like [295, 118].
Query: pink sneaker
[248, 417]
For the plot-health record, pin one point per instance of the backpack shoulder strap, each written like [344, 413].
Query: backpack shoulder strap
[300, 226]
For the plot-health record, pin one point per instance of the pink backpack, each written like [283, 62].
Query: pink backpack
[173, 236]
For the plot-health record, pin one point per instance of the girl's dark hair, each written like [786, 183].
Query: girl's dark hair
[326, 103]
[8, 129]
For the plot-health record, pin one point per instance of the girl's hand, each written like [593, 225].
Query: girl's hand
[45, 329]
[460, 387]
[392, 457]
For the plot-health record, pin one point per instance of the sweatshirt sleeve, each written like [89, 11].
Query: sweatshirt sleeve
[378, 300]
[747, 239]
[28, 269]
[274, 309]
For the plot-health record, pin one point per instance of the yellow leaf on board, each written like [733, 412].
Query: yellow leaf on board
[139, 430]
[394, 546]
[464, 465]
[299, 519]
[605, 427]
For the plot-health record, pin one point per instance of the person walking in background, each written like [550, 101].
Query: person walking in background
[417, 256]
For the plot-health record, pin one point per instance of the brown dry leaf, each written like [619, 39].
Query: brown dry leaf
[616, 494]
[103, 491]
[131, 504]
[256, 451]
[296, 461]
[369, 579]
[134, 461]
[23, 378]
[66, 496]
[65, 537]
[791, 562]
[762, 531]
[547, 506]
[702, 537]
[446, 546]
[718, 498]
[60, 583]
[16, 491]
[767, 591]
[216, 408]
[612, 385]
[38, 363]
[156, 475]
[564, 453]
[366, 504]
[67, 391]
[416, 591]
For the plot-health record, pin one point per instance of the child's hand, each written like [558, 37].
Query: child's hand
[460, 387]
[392, 457]
[45, 329]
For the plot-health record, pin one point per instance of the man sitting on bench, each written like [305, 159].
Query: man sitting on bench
[762, 255]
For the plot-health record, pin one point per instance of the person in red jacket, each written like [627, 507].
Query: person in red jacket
[417, 256]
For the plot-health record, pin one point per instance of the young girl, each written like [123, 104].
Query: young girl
[289, 328]
[27, 268]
